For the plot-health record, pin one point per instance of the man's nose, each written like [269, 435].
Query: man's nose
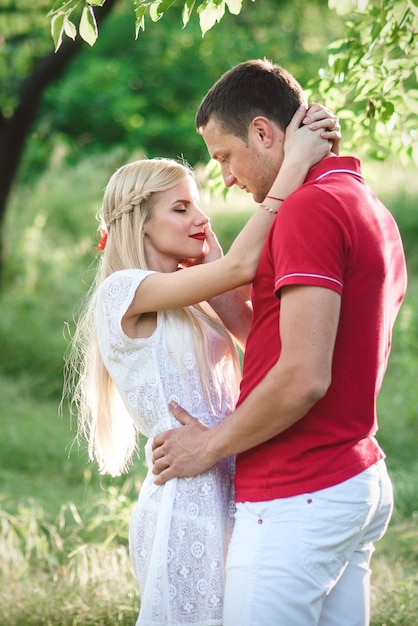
[229, 179]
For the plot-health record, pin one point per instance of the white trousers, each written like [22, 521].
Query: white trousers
[304, 560]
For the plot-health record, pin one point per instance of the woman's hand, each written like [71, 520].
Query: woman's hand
[308, 139]
[303, 146]
[318, 116]
[213, 249]
[211, 252]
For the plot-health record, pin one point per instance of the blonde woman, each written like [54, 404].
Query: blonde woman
[143, 341]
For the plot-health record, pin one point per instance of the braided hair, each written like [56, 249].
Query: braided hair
[102, 418]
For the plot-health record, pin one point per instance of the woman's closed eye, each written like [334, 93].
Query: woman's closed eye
[180, 207]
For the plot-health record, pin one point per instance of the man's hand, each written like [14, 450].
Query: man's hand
[182, 451]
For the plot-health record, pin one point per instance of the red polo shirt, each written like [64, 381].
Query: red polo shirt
[332, 232]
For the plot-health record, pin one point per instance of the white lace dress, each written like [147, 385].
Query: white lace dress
[179, 532]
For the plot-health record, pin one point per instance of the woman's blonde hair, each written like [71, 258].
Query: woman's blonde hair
[102, 417]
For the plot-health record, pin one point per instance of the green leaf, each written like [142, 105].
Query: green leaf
[139, 19]
[341, 6]
[154, 12]
[234, 6]
[88, 26]
[187, 11]
[411, 101]
[62, 6]
[140, 8]
[69, 28]
[158, 8]
[163, 5]
[209, 14]
[214, 183]
[57, 29]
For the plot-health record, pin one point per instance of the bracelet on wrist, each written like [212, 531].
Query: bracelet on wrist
[268, 209]
[274, 198]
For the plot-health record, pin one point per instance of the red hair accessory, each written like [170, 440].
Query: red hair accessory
[103, 239]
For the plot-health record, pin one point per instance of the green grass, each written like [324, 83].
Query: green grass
[63, 529]
[69, 569]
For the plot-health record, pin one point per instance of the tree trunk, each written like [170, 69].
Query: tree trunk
[15, 129]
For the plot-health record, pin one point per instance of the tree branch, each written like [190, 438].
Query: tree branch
[15, 129]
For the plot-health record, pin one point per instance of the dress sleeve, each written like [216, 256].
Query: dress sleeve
[113, 299]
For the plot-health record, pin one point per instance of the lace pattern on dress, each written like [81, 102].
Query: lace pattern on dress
[179, 532]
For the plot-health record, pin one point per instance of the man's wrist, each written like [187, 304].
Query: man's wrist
[215, 445]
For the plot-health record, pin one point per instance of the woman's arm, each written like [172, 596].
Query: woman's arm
[235, 310]
[234, 307]
[163, 291]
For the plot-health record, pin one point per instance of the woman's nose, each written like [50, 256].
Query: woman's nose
[201, 218]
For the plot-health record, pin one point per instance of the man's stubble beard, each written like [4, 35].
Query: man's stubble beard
[268, 174]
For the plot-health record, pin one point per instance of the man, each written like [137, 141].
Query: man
[312, 489]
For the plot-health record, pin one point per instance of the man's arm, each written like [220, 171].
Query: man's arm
[308, 325]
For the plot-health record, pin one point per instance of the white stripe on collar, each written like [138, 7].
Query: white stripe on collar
[340, 171]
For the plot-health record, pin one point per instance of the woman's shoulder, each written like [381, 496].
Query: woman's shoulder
[114, 296]
[123, 281]
[127, 276]
[117, 290]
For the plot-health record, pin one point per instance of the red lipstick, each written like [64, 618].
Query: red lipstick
[199, 236]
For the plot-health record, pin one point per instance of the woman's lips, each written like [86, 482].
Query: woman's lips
[199, 236]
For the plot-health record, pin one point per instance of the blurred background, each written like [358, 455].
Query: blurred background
[66, 123]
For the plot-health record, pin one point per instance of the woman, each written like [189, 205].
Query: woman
[143, 342]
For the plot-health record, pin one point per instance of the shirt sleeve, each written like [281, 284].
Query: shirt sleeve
[309, 242]
[113, 300]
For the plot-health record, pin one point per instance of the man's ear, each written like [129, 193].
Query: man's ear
[262, 129]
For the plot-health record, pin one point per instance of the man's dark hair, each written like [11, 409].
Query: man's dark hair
[256, 87]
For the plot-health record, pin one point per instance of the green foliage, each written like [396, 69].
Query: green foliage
[40, 459]
[397, 405]
[144, 94]
[371, 78]
[64, 12]
[403, 367]
[210, 12]
[51, 238]
[24, 33]
[394, 593]
[69, 569]
[62, 24]
[74, 568]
